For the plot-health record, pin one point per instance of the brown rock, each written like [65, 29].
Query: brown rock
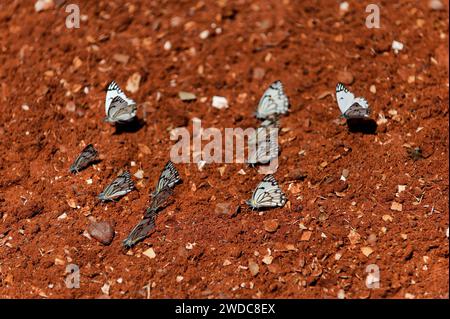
[253, 267]
[345, 77]
[306, 235]
[271, 225]
[102, 231]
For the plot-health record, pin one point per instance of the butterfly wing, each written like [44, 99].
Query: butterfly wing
[118, 107]
[121, 186]
[140, 231]
[268, 194]
[357, 111]
[274, 101]
[158, 201]
[344, 97]
[120, 111]
[87, 156]
[168, 178]
[271, 122]
[266, 150]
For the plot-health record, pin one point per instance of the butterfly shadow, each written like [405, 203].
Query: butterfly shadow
[130, 127]
[365, 126]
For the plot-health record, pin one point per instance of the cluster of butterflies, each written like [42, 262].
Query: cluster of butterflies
[271, 106]
[123, 184]
[273, 103]
[121, 110]
[167, 180]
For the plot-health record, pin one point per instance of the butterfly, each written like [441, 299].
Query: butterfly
[158, 201]
[267, 194]
[263, 130]
[265, 151]
[140, 231]
[273, 102]
[168, 178]
[119, 187]
[118, 107]
[86, 157]
[351, 107]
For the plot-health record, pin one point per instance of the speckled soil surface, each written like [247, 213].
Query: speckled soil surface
[53, 82]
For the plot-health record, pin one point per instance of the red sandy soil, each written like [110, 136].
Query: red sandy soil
[306, 44]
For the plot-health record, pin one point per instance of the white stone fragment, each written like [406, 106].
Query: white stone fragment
[219, 102]
[397, 46]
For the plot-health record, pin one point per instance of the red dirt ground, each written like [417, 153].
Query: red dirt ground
[306, 44]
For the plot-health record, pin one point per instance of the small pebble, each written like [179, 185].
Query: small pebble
[105, 288]
[150, 253]
[306, 236]
[25, 107]
[204, 34]
[344, 6]
[121, 58]
[226, 262]
[253, 267]
[372, 239]
[267, 260]
[396, 206]
[219, 102]
[345, 77]
[139, 174]
[367, 251]
[397, 46]
[167, 45]
[435, 5]
[186, 96]
[258, 73]
[102, 231]
[271, 225]
[70, 106]
[42, 5]
[133, 82]
[175, 22]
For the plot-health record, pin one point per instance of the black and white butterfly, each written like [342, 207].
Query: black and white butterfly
[140, 231]
[168, 178]
[273, 102]
[87, 156]
[118, 107]
[263, 130]
[265, 150]
[121, 186]
[267, 194]
[158, 201]
[351, 107]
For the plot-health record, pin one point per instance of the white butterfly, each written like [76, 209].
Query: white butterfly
[263, 129]
[118, 107]
[351, 107]
[168, 178]
[273, 102]
[266, 150]
[268, 194]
